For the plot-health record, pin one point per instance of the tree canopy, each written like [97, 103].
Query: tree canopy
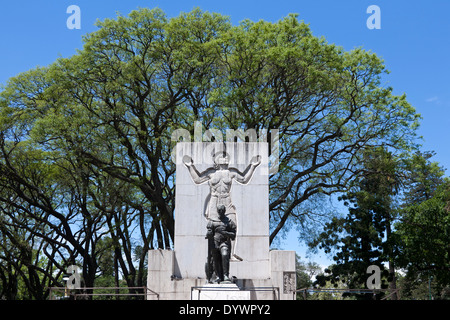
[398, 216]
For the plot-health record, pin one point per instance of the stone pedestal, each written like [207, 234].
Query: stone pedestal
[280, 285]
[219, 292]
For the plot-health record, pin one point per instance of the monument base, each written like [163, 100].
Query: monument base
[219, 292]
[164, 284]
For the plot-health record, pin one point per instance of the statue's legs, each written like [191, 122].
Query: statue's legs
[225, 255]
[209, 268]
[218, 268]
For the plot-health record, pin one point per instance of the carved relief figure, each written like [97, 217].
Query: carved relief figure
[220, 179]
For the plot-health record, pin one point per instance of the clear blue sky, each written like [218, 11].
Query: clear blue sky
[414, 41]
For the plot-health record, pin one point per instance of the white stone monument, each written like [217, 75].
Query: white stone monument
[258, 272]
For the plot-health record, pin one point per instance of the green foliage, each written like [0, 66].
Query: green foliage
[363, 237]
[424, 231]
[306, 271]
[422, 179]
[398, 214]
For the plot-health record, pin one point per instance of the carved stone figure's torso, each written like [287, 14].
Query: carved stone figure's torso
[220, 182]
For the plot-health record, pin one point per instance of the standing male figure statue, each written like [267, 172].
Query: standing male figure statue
[219, 235]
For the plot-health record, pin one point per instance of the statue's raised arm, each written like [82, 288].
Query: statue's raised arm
[245, 177]
[197, 177]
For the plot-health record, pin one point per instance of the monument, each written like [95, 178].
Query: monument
[221, 245]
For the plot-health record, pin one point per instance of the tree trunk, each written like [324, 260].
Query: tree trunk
[392, 278]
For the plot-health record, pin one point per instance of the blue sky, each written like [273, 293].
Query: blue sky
[414, 41]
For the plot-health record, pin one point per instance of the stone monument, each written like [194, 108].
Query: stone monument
[221, 245]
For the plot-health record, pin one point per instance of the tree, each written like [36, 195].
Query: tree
[423, 177]
[141, 77]
[424, 233]
[306, 271]
[364, 236]
[327, 104]
[28, 263]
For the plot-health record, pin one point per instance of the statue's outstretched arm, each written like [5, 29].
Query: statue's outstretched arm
[197, 177]
[245, 177]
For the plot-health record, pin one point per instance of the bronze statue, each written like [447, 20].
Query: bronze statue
[219, 235]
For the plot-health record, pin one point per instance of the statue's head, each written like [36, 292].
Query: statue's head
[221, 210]
[221, 159]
